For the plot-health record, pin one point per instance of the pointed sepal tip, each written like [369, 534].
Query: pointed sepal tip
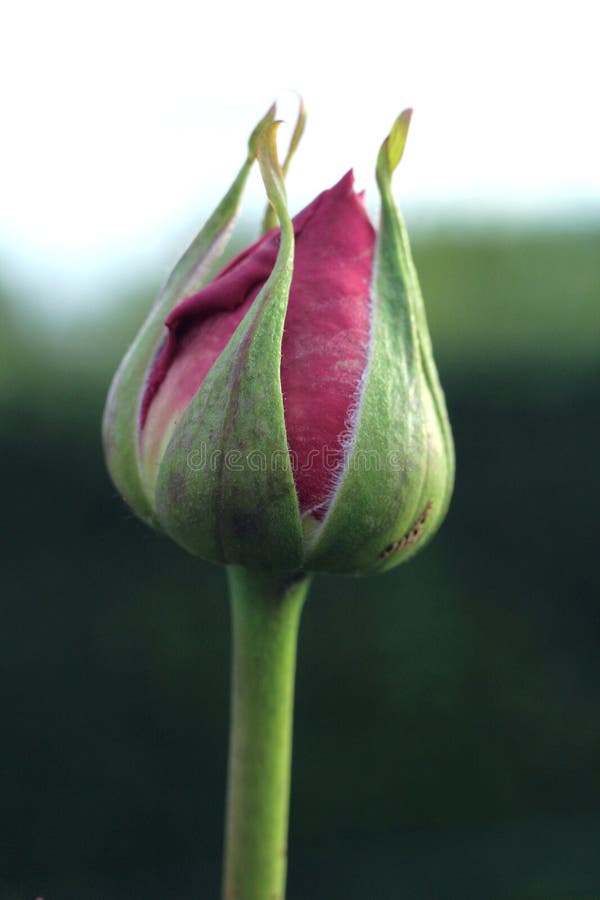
[392, 149]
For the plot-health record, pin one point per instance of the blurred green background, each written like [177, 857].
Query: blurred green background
[447, 736]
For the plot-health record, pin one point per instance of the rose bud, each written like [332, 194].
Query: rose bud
[287, 414]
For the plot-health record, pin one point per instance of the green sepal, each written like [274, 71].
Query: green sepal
[270, 218]
[240, 506]
[120, 427]
[399, 469]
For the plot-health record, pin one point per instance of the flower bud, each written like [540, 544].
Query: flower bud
[287, 414]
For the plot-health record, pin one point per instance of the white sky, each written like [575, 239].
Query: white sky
[124, 122]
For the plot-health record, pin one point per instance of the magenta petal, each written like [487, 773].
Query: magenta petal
[325, 339]
[324, 342]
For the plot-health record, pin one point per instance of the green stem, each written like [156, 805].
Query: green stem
[266, 611]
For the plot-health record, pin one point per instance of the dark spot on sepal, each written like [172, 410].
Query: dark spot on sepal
[412, 535]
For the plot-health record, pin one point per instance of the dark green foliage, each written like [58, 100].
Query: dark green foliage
[448, 715]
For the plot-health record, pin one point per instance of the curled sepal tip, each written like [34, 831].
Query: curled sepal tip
[296, 135]
[393, 146]
[253, 140]
[272, 172]
[270, 218]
